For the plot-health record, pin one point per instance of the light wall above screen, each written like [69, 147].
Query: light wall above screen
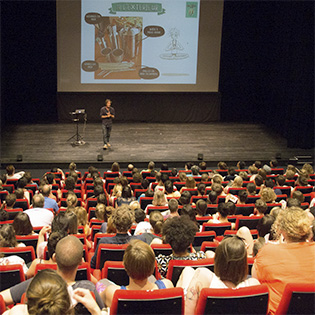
[138, 46]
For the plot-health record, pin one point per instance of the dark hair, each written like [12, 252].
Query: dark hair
[60, 223]
[179, 232]
[293, 202]
[69, 183]
[22, 182]
[22, 224]
[251, 187]
[212, 196]
[242, 194]
[185, 197]
[269, 183]
[223, 209]
[4, 215]
[54, 238]
[139, 215]
[259, 180]
[230, 260]
[201, 187]
[98, 190]
[126, 192]
[168, 186]
[264, 225]
[201, 207]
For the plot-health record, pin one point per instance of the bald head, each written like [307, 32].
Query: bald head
[69, 251]
[46, 190]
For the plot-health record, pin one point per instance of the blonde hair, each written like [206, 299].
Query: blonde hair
[72, 200]
[100, 210]
[295, 223]
[238, 182]
[139, 260]
[190, 182]
[82, 215]
[268, 195]
[159, 198]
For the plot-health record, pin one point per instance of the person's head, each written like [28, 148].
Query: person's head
[139, 215]
[4, 215]
[179, 232]
[280, 179]
[302, 180]
[73, 222]
[115, 167]
[173, 205]
[238, 182]
[244, 175]
[10, 200]
[217, 188]
[126, 192]
[151, 166]
[22, 224]
[204, 177]
[137, 177]
[70, 183]
[203, 165]
[252, 169]
[269, 183]
[195, 170]
[139, 260]
[230, 260]
[53, 239]
[298, 195]
[50, 177]
[98, 190]
[241, 165]
[46, 189]
[231, 170]
[212, 196]
[159, 198]
[201, 189]
[72, 200]
[182, 176]
[188, 211]
[74, 175]
[7, 236]
[267, 169]
[82, 216]
[48, 294]
[168, 187]
[242, 195]
[294, 224]
[290, 174]
[68, 253]
[19, 192]
[217, 179]
[72, 167]
[261, 206]
[100, 209]
[259, 243]
[201, 207]
[123, 219]
[156, 220]
[223, 210]
[101, 198]
[108, 102]
[251, 188]
[10, 170]
[130, 167]
[222, 166]
[258, 164]
[293, 202]
[258, 180]
[190, 182]
[185, 197]
[308, 168]
[134, 205]
[268, 195]
[274, 163]
[264, 226]
[22, 182]
[38, 201]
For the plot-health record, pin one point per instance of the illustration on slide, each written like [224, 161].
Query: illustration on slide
[118, 47]
[174, 46]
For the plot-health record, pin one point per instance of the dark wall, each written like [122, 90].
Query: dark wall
[267, 67]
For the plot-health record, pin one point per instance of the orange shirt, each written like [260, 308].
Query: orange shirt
[279, 264]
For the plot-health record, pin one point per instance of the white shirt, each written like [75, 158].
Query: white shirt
[40, 216]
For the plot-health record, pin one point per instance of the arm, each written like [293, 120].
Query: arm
[7, 297]
[41, 236]
[31, 270]
[85, 297]
[108, 293]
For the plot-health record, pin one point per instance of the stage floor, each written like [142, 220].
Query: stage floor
[141, 142]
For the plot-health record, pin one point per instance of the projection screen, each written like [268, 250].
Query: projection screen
[138, 46]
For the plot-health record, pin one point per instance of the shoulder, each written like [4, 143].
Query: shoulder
[168, 283]
[20, 309]
[85, 284]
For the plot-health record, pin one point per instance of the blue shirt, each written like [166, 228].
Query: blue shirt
[51, 203]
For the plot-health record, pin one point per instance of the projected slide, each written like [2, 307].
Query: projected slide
[139, 42]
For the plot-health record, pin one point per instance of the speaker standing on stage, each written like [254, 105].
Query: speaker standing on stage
[107, 114]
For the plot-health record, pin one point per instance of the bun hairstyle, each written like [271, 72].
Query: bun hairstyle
[47, 294]
[156, 220]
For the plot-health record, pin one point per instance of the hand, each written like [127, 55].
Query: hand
[45, 229]
[85, 297]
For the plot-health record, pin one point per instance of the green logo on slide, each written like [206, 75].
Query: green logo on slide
[191, 9]
[136, 7]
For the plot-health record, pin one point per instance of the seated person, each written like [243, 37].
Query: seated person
[221, 215]
[296, 254]
[179, 232]
[230, 271]
[139, 262]
[123, 219]
[260, 207]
